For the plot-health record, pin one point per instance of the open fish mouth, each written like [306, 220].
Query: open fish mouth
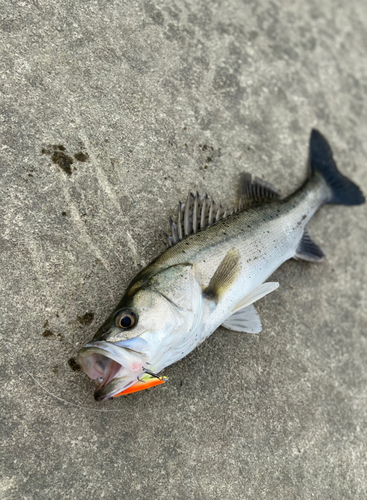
[112, 367]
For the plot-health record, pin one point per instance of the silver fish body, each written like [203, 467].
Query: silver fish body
[211, 276]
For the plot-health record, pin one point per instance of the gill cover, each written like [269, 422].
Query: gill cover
[172, 326]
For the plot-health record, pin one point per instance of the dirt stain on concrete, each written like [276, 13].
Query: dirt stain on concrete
[86, 319]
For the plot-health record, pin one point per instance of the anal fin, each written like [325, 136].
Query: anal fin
[308, 250]
[245, 320]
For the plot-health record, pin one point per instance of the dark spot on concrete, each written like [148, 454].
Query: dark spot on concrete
[74, 365]
[304, 217]
[81, 156]
[47, 333]
[60, 337]
[60, 147]
[55, 370]
[63, 161]
[86, 319]
[63, 213]
[253, 35]
[208, 159]
[45, 324]
[45, 151]
[155, 14]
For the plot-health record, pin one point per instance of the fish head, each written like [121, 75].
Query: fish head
[144, 332]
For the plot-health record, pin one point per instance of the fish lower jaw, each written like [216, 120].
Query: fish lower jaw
[122, 380]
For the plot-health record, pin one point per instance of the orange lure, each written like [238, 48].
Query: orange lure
[141, 385]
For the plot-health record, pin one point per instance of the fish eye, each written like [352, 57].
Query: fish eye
[125, 319]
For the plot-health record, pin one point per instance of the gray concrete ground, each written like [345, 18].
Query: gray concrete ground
[155, 98]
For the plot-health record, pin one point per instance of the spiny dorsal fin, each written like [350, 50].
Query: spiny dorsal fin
[255, 191]
[224, 276]
[197, 213]
[200, 212]
[308, 250]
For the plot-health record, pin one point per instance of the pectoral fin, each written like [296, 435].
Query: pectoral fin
[308, 250]
[224, 276]
[245, 320]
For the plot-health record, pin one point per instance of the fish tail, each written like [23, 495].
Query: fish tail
[342, 190]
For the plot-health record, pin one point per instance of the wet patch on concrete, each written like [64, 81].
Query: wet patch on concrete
[47, 333]
[62, 159]
[74, 365]
[81, 156]
[86, 319]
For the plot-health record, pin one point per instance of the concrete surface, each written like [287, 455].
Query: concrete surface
[160, 97]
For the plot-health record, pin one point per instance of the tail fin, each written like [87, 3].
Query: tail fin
[343, 191]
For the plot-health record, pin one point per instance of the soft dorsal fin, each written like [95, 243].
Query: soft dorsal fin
[224, 276]
[255, 191]
[308, 250]
[200, 212]
[245, 320]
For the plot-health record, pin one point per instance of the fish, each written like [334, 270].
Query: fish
[214, 269]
